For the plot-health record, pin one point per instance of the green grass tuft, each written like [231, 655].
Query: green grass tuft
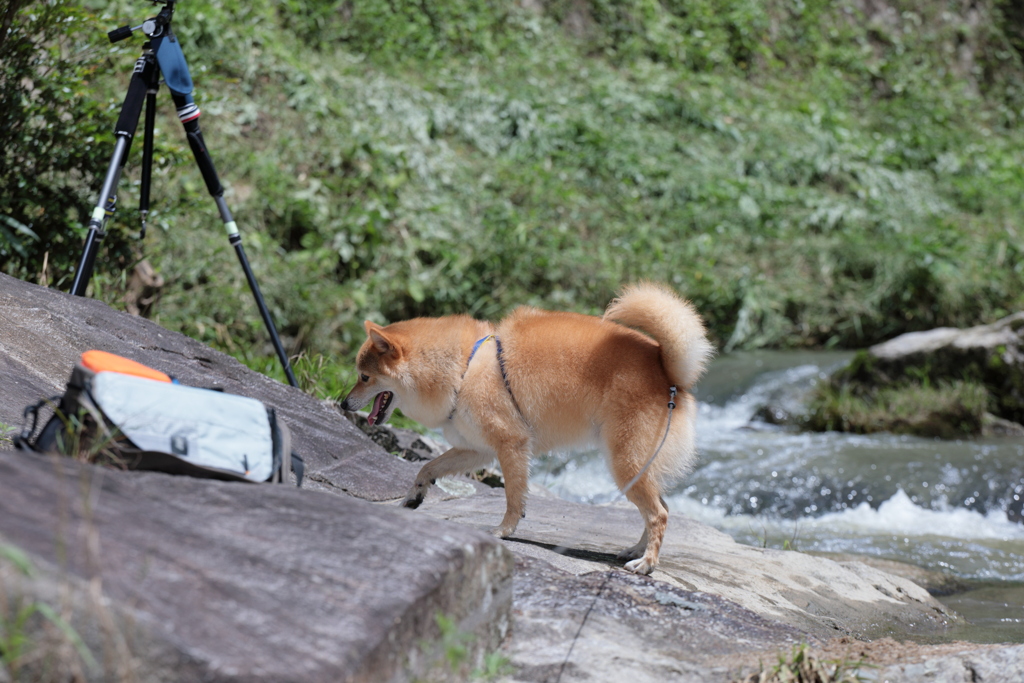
[800, 666]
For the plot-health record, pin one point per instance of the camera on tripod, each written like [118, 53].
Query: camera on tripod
[162, 56]
[151, 27]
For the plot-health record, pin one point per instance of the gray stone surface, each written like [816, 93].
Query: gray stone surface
[217, 581]
[43, 332]
[764, 600]
[1005, 332]
[629, 627]
[971, 665]
[935, 582]
[228, 582]
[956, 662]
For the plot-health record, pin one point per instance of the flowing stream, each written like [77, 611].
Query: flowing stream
[954, 507]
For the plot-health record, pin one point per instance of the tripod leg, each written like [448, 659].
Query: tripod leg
[236, 241]
[147, 156]
[188, 112]
[127, 122]
[98, 218]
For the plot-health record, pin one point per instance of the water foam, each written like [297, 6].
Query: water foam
[896, 516]
[900, 515]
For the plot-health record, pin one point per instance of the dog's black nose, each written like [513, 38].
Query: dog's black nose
[344, 404]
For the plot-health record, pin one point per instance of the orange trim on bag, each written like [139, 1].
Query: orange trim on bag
[101, 361]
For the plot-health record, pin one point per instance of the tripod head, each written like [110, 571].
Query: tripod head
[151, 27]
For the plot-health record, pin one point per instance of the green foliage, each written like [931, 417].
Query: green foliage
[496, 665]
[17, 558]
[800, 666]
[403, 29]
[320, 377]
[55, 137]
[6, 431]
[453, 642]
[17, 642]
[83, 439]
[448, 658]
[765, 540]
[807, 174]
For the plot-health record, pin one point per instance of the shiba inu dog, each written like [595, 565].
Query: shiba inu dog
[541, 380]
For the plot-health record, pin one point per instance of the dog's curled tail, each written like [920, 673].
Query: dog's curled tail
[672, 322]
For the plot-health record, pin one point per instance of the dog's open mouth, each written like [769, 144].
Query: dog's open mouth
[380, 407]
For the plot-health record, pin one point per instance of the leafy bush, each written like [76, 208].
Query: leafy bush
[56, 138]
[399, 28]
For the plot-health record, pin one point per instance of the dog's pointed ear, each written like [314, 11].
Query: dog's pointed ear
[376, 334]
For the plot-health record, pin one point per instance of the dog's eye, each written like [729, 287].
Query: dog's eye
[365, 378]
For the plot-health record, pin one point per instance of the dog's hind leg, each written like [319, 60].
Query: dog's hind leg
[641, 547]
[645, 495]
[626, 448]
[452, 461]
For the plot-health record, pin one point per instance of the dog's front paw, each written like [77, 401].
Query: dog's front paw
[640, 566]
[416, 494]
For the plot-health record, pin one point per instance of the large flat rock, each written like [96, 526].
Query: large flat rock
[219, 581]
[43, 332]
[709, 598]
[614, 625]
[201, 580]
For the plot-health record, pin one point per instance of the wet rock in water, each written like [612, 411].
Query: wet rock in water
[935, 582]
[774, 414]
[997, 426]
[941, 383]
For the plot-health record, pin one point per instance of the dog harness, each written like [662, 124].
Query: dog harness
[501, 364]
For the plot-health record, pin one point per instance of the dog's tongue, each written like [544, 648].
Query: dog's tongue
[377, 403]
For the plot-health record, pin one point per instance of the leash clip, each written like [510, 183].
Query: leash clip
[672, 397]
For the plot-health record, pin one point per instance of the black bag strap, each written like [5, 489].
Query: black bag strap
[298, 467]
[23, 441]
[285, 460]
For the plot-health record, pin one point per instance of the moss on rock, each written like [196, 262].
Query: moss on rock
[949, 411]
[939, 383]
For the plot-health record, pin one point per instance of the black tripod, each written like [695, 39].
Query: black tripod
[162, 55]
